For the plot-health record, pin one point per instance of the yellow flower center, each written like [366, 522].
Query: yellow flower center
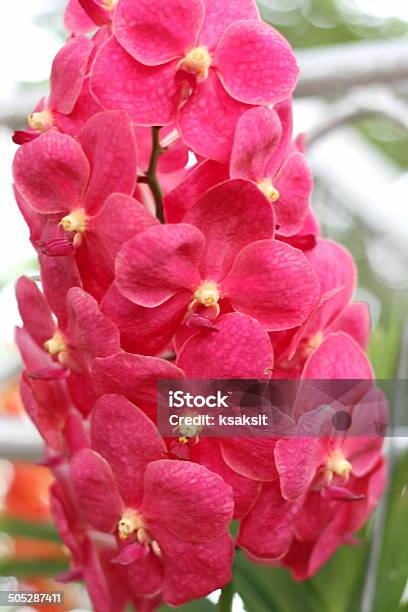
[75, 221]
[337, 465]
[198, 62]
[207, 294]
[40, 121]
[267, 188]
[130, 522]
[109, 5]
[56, 344]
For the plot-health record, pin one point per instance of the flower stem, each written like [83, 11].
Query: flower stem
[225, 601]
[151, 174]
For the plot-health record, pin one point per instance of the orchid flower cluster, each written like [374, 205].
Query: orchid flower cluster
[188, 250]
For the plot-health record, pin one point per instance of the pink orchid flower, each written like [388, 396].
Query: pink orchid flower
[89, 561]
[72, 345]
[323, 527]
[283, 176]
[170, 518]
[263, 153]
[334, 313]
[70, 103]
[217, 254]
[179, 61]
[322, 472]
[81, 189]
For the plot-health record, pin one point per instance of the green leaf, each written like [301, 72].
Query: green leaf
[198, 605]
[21, 568]
[340, 582]
[272, 589]
[393, 564]
[36, 531]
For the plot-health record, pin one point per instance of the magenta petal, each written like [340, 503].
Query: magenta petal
[33, 219]
[143, 330]
[268, 530]
[48, 424]
[230, 216]
[134, 376]
[355, 321]
[201, 178]
[187, 499]
[120, 219]
[149, 94]
[255, 63]
[245, 490]
[338, 357]
[95, 490]
[109, 143]
[297, 459]
[294, 183]
[85, 108]
[88, 330]
[340, 494]
[258, 133]
[193, 570]
[240, 349]
[34, 310]
[273, 282]
[208, 119]
[58, 275]
[96, 11]
[68, 74]
[76, 19]
[131, 554]
[145, 577]
[219, 15]
[251, 457]
[284, 111]
[51, 172]
[153, 32]
[158, 263]
[335, 269]
[128, 440]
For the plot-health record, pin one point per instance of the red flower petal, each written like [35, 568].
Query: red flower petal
[153, 32]
[273, 282]
[128, 441]
[158, 263]
[51, 172]
[230, 216]
[255, 63]
[95, 490]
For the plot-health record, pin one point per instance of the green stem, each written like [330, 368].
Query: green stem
[151, 174]
[225, 601]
